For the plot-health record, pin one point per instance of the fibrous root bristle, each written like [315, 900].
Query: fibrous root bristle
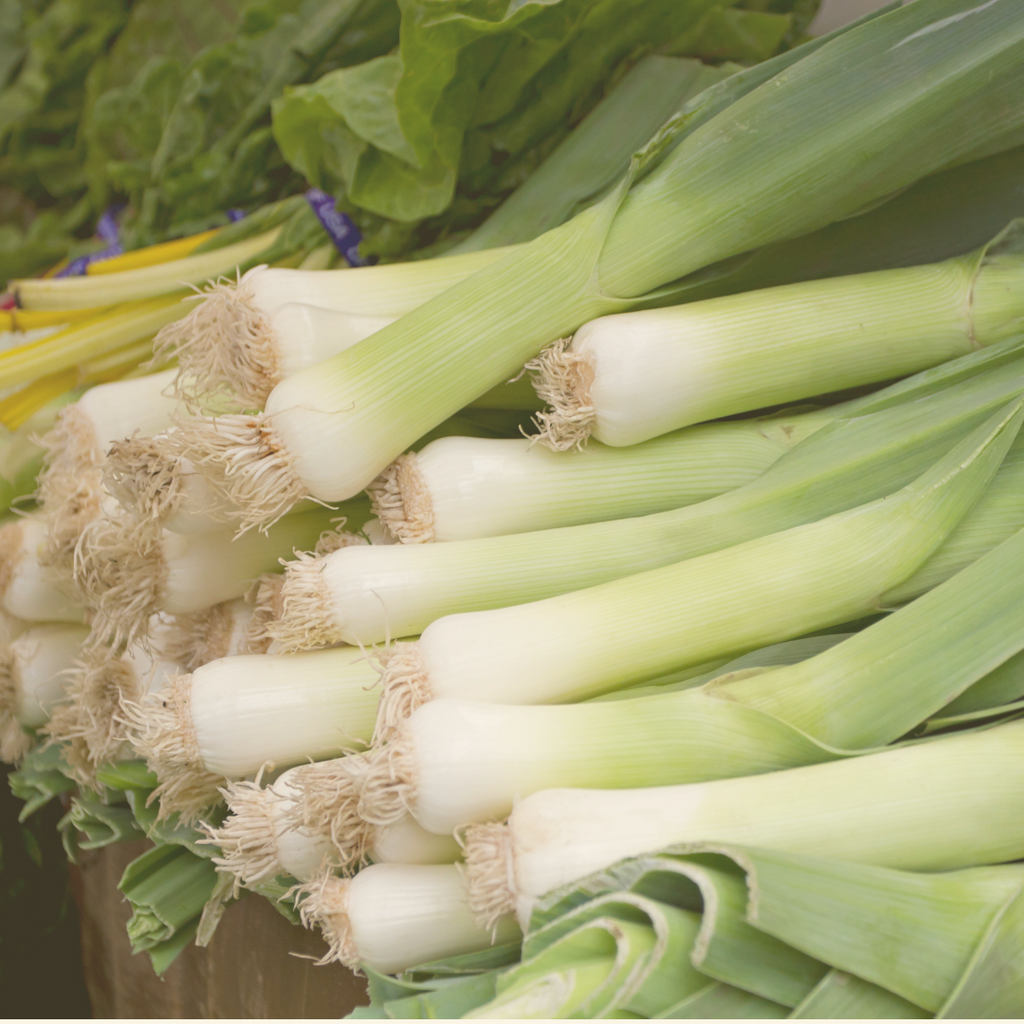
[121, 573]
[327, 803]
[401, 501]
[159, 727]
[563, 380]
[243, 465]
[305, 617]
[404, 687]
[145, 476]
[70, 488]
[488, 872]
[324, 904]
[225, 346]
[247, 836]
[88, 721]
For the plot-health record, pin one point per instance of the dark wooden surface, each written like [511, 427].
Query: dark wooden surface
[246, 971]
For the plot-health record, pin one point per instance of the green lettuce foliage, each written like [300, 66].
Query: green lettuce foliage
[425, 140]
[186, 135]
[163, 104]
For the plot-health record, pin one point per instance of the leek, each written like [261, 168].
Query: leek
[391, 916]
[255, 841]
[230, 717]
[934, 806]
[33, 671]
[246, 337]
[364, 596]
[261, 837]
[944, 215]
[152, 482]
[581, 644]
[627, 378]
[140, 283]
[996, 517]
[28, 589]
[456, 761]
[128, 571]
[460, 488]
[597, 151]
[330, 430]
[71, 482]
[88, 722]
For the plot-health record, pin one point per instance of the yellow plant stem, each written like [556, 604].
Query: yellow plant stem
[126, 324]
[18, 408]
[163, 252]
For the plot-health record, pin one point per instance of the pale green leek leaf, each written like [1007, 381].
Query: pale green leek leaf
[723, 1001]
[914, 934]
[841, 995]
[994, 983]
[943, 215]
[1000, 687]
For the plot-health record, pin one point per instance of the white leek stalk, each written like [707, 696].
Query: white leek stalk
[577, 645]
[33, 675]
[630, 377]
[406, 841]
[29, 590]
[394, 916]
[259, 840]
[459, 488]
[129, 570]
[262, 836]
[366, 596]
[71, 483]
[230, 717]
[246, 338]
[823, 148]
[946, 803]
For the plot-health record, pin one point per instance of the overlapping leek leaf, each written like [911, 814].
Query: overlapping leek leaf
[705, 931]
[167, 887]
[97, 821]
[41, 776]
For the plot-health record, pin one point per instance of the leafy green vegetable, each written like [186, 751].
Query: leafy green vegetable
[474, 85]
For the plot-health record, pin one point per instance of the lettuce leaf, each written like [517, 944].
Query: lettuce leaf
[474, 84]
